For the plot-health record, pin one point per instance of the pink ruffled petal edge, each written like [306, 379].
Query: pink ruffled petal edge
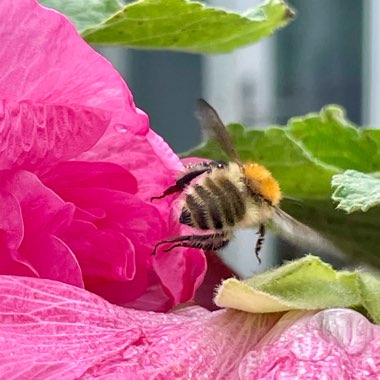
[92, 338]
[44, 214]
[57, 95]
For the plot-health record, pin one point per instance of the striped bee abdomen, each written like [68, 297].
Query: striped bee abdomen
[213, 205]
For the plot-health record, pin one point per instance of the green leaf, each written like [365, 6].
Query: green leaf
[308, 283]
[85, 13]
[188, 26]
[356, 191]
[369, 293]
[356, 234]
[303, 156]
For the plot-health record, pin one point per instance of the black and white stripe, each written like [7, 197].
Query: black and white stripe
[214, 205]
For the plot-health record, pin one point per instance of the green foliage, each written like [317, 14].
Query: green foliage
[85, 13]
[356, 191]
[173, 24]
[308, 284]
[303, 156]
[188, 26]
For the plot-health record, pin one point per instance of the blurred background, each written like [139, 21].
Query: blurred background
[328, 54]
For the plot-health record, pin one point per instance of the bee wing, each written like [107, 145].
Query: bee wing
[301, 235]
[213, 126]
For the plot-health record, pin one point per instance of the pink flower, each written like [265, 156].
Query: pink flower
[78, 166]
[59, 331]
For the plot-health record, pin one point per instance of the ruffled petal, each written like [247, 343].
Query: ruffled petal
[331, 344]
[44, 215]
[123, 212]
[101, 253]
[64, 332]
[149, 159]
[60, 331]
[83, 174]
[187, 270]
[57, 95]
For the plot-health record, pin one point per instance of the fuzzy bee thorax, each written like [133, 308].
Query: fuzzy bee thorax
[261, 181]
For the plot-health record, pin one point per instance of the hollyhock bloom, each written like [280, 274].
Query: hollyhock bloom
[78, 165]
[60, 331]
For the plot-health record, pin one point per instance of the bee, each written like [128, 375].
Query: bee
[229, 196]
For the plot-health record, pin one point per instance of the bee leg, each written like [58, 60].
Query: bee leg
[260, 241]
[213, 245]
[171, 240]
[194, 171]
[207, 242]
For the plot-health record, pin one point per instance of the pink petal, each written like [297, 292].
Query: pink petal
[89, 174]
[154, 297]
[11, 224]
[11, 236]
[332, 344]
[59, 331]
[121, 292]
[37, 202]
[124, 212]
[188, 265]
[169, 159]
[52, 259]
[114, 246]
[187, 270]
[92, 338]
[149, 159]
[101, 253]
[44, 214]
[57, 95]
[36, 135]
[89, 185]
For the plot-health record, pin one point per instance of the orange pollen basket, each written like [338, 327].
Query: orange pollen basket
[262, 182]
